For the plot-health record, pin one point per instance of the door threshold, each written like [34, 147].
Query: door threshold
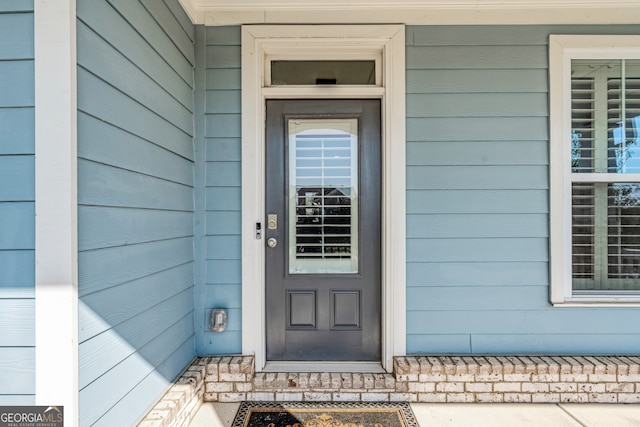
[353, 367]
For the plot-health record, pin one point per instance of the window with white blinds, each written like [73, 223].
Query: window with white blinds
[323, 196]
[605, 175]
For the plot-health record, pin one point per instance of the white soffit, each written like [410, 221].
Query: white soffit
[433, 12]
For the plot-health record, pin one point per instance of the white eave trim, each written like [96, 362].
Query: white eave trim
[194, 12]
[426, 12]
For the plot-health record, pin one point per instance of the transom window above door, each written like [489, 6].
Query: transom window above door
[323, 72]
[327, 66]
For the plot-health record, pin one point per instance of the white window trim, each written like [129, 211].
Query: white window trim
[258, 42]
[56, 249]
[562, 49]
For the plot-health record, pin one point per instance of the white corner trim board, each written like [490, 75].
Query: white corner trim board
[56, 265]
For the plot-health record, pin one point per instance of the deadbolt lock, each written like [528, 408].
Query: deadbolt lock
[272, 221]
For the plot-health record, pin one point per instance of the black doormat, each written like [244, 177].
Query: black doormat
[325, 414]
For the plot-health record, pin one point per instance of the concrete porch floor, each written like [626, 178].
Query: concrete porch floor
[213, 414]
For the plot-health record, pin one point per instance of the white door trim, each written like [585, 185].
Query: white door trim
[258, 42]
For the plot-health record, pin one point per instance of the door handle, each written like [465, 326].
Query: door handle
[272, 242]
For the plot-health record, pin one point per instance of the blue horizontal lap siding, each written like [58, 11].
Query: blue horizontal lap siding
[111, 227]
[172, 20]
[122, 111]
[17, 207]
[106, 21]
[158, 35]
[127, 338]
[515, 201]
[135, 196]
[468, 274]
[453, 226]
[17, 172]
[222, 192]
[477, 199]
[120, 148]
[109, 64]
[18, 130]
[478, 153]
[104, 268]
[181, 16]
[21, 73]
[142, 295]
[7, 6]
[17, 231]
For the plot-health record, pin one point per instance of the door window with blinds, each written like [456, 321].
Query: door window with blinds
[605, 166]
[594, 168]
[323, 196]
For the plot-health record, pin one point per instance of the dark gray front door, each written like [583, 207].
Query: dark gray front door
[323, 230]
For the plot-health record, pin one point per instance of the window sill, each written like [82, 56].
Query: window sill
[596, 300]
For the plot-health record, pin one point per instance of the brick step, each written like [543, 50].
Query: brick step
[552, 379]
[587, 365]
[323, 381]
[325, 386]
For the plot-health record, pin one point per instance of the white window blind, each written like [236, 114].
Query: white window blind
[605, 175]
[323, 183]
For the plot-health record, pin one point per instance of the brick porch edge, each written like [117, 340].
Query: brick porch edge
[532, 379]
